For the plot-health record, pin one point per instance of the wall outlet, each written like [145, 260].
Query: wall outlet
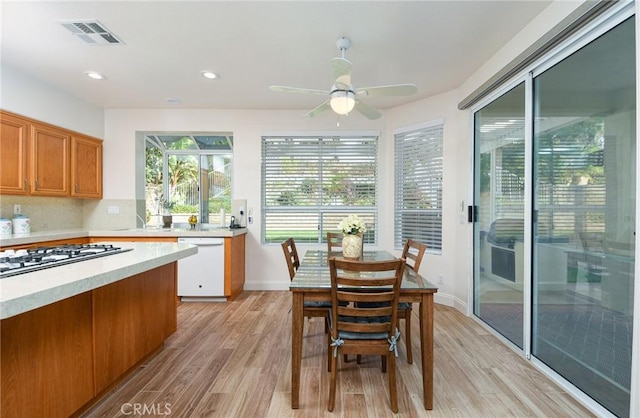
[440, 279]
[17, 210]
[250, 216]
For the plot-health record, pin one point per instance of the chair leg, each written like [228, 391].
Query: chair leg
[407, 331]
[329, 352]
[384, 363]
[332, 383]
[393, 390]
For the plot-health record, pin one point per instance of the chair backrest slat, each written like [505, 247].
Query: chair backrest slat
[334, 242]
[413, 252]
[291, 254]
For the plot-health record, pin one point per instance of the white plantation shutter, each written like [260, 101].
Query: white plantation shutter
[418, 186]
[309, 184]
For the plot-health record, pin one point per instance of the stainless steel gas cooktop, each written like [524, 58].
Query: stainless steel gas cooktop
[14, 262]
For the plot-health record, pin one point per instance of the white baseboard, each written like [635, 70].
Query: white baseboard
[266, 285]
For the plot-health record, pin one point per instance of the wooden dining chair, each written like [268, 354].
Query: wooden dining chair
[318, 309]
[334, 242]
[412, 253]
[356, 329]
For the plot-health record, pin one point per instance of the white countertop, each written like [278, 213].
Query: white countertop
[21, 239]
[29, 291]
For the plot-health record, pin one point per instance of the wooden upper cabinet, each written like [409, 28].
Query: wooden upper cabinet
[39, 159]
[86, 167]
[14, 139]
[50, 148]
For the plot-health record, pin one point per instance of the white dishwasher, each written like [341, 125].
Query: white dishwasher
[201, 276]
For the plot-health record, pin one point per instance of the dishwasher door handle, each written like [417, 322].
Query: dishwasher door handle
[201, 242]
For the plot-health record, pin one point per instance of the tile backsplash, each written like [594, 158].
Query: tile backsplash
[57, 213]
[45, 213]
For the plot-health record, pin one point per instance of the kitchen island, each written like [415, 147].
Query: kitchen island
[70, 333]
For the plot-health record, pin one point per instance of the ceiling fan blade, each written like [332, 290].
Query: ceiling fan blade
[315, 112]
[342, 71]
[393, 90]
[367, 110]
[285, 89]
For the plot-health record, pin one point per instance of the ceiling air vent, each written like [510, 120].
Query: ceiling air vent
[92, 32]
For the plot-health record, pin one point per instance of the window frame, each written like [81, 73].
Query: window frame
[323, 216]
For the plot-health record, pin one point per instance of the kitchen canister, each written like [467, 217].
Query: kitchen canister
[5, 227]
[21, 224]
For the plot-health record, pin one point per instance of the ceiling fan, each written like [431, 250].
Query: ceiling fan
[343, 97]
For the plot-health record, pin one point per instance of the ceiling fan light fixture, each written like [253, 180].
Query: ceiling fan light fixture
[342, 102]
[209, 74]
[94, 75]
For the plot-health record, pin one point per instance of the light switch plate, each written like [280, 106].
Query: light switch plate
[236, 205]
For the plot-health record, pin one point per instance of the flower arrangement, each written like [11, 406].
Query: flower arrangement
[352, 225]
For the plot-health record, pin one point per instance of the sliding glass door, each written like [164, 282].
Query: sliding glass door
[584, 142]
[499, 207]
[554, 196]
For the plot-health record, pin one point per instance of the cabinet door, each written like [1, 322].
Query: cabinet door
[13, 154]
[49, 161]
[86, 167]
[132, 318]
[47, 360]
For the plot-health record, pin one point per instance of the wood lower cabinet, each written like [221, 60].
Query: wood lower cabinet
[122, 339]
[59, 359]
[234, 259]
[47, 360]
[14, 139]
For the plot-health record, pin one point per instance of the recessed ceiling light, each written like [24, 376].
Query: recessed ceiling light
[172, 100]
[94, 75]
[209, 74]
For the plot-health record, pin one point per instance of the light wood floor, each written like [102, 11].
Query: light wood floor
[234, 360]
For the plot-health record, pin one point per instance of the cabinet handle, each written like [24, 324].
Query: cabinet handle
[75, 187]
[36, 184]
[26, 184]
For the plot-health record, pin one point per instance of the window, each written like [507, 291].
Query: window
[310, 183]
[188, 175]
[418, 185]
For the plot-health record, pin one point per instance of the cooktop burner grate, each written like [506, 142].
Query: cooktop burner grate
[13, 263]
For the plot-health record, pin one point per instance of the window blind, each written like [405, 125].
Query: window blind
[418, 186]
[309, 184]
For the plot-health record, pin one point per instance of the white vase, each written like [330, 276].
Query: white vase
[352, 246]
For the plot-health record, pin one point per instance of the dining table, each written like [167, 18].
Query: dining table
[312, 282]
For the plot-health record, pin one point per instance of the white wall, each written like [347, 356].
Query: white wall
[26, 96]
[451, 263]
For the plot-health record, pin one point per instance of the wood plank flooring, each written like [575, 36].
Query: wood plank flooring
[234, 360]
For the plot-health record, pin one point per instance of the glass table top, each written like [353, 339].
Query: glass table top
[314, 271]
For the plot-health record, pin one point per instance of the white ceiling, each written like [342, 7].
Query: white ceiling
[435, 45]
